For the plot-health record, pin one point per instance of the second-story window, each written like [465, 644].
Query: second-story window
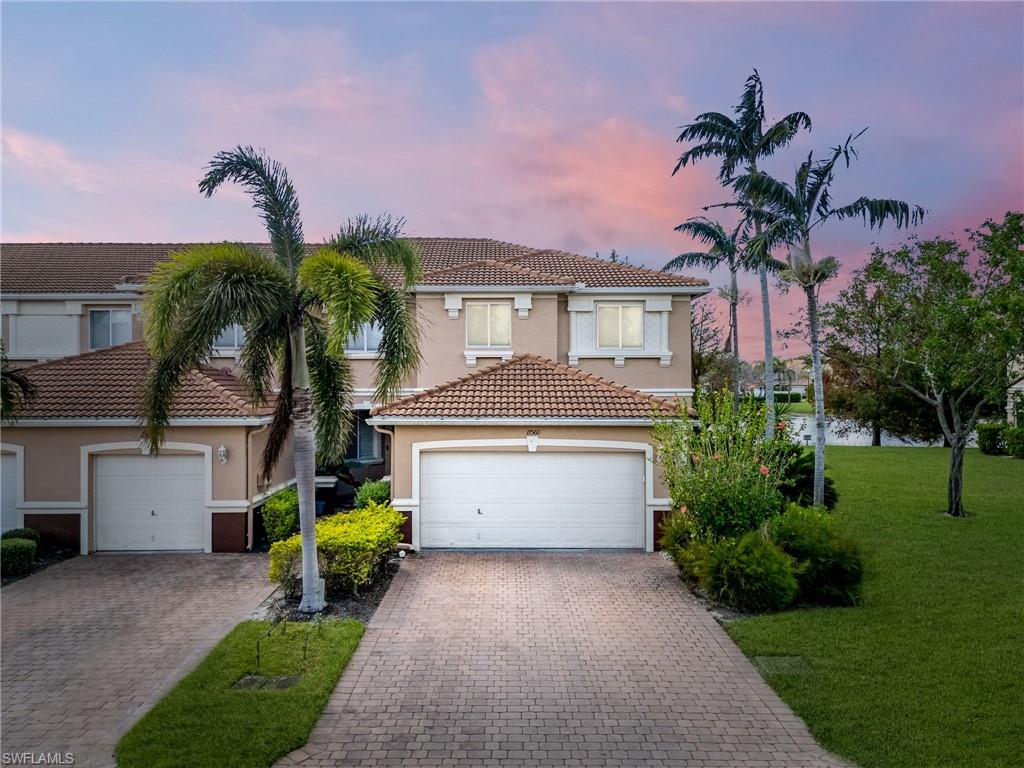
[488, 324]
[620, 326]
[232, 337]
[109, 327]
[366, 339]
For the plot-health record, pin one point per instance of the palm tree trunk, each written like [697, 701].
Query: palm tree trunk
[769, 355]
[304, 446]
[819, 397]
[734, 298]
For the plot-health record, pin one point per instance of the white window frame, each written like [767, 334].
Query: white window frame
[232, 348]
[110, 326]
[364, 352]
[375, 458]
[489, 304]
[598, 306]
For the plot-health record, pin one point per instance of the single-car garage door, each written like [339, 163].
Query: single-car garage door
[149, 502]
[532, 500]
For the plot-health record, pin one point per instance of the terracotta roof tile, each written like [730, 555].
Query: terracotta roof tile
[491, 272]
[528, 386]
[599, 273]
[107, 383]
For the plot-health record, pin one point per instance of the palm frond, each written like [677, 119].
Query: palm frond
[701, 151]
[281, 422]
[378, 242]
[331, 387]
[263, 355]
[691, 259]
[766, 193]
[345, 291]
[877, 211]
[399, 350]
[16, 389]
[750, 111]
[273, 195]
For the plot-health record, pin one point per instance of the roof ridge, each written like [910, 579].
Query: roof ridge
[222, 391]
[80, 355]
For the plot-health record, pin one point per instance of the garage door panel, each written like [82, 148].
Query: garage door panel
[531, 500]
[149, 503]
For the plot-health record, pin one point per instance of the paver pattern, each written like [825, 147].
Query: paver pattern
[551, 659]
[90, 644]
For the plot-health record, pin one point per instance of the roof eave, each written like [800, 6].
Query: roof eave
[117, 421]
[554, 421]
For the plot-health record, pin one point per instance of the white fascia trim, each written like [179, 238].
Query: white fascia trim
[60, 296]
[471, 355]
[412, 505]
[670, 391]
[198, 421]
[502, 420]
[362, 354]
[489, 289]
[688, 290]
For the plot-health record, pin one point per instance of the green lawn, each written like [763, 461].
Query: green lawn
[802, 408]
[203, 722]
[929, 671]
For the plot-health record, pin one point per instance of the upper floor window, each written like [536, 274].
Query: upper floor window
[109, 327]
[488, 324]
[364, 444]
[620, 326]
[366, 339]
[232, 337]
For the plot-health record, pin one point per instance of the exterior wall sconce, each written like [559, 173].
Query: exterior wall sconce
[222, 455]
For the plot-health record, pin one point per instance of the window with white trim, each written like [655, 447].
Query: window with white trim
[232, 337]
[488, 324]
[364, 444]
[620, 326]
[109, 327]
[366, 339]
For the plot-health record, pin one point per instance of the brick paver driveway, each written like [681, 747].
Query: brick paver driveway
[512, 658]
[91, 643]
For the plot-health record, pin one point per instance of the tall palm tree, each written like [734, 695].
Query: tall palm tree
[723, 250]
[789, 215]
[15, 388]
[297, 309]
[740, 144]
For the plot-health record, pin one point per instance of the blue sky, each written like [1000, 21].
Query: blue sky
[546, 124]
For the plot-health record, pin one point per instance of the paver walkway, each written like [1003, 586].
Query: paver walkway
[574, 659]
[90, 644]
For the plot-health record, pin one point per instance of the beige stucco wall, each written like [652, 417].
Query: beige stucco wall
[405, 436]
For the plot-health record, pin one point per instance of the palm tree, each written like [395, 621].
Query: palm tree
[297, 309]
[15, 388]
[723, 250]
[740, 143]
[789, 215]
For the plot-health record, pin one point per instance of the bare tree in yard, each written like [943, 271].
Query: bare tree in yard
[705, 340]
[298, 309]
[954, 328]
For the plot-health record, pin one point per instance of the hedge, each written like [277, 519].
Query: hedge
[351, 547]
[1014, 441]
[16, 556]
[991, 439]
[378, 491]
[281, 514]
[22, 533]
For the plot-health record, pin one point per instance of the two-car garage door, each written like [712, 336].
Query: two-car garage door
[532, 500]
[149, 502]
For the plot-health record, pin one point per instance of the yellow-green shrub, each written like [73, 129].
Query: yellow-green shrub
[350, 548]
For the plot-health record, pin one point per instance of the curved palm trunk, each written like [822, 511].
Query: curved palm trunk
[769, 354]
[819, 397]
[304, 446]
[734, 298]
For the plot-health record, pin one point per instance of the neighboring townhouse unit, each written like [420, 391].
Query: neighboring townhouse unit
[511, 432]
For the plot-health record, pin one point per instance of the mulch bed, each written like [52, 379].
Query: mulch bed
[45, 560]
[361, 606]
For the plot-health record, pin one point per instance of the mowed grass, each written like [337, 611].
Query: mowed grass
[203, 722]
[929, 671]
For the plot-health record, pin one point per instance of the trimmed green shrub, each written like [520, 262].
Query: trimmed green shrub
[798, 485]
[350, 548]
[829, 568]
[1014, 437]
[22, 533]
[281, 514]
[722, 471]
[782, 396]
[16, 556]
[375, 491]
[991, 439]
[676, 532]
[749, 573]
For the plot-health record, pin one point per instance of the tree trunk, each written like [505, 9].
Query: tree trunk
[769, 355]
[955, 486]
[876, 434]
[734, 298]
[304, 445]
[819, 397]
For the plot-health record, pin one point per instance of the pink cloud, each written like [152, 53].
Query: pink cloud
[44, 159]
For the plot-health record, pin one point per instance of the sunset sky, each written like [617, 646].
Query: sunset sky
[551, 125]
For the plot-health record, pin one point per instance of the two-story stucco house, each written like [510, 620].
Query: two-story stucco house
[526, 425]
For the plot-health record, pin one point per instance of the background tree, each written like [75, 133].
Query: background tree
[955, 328]
[740, 144]
[722, 251]
[790, 214]
[298, 310]
[705, 340]
[15, 388]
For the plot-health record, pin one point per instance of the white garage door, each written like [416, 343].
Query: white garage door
[539, 500]
[9, 491]
[149, 502]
